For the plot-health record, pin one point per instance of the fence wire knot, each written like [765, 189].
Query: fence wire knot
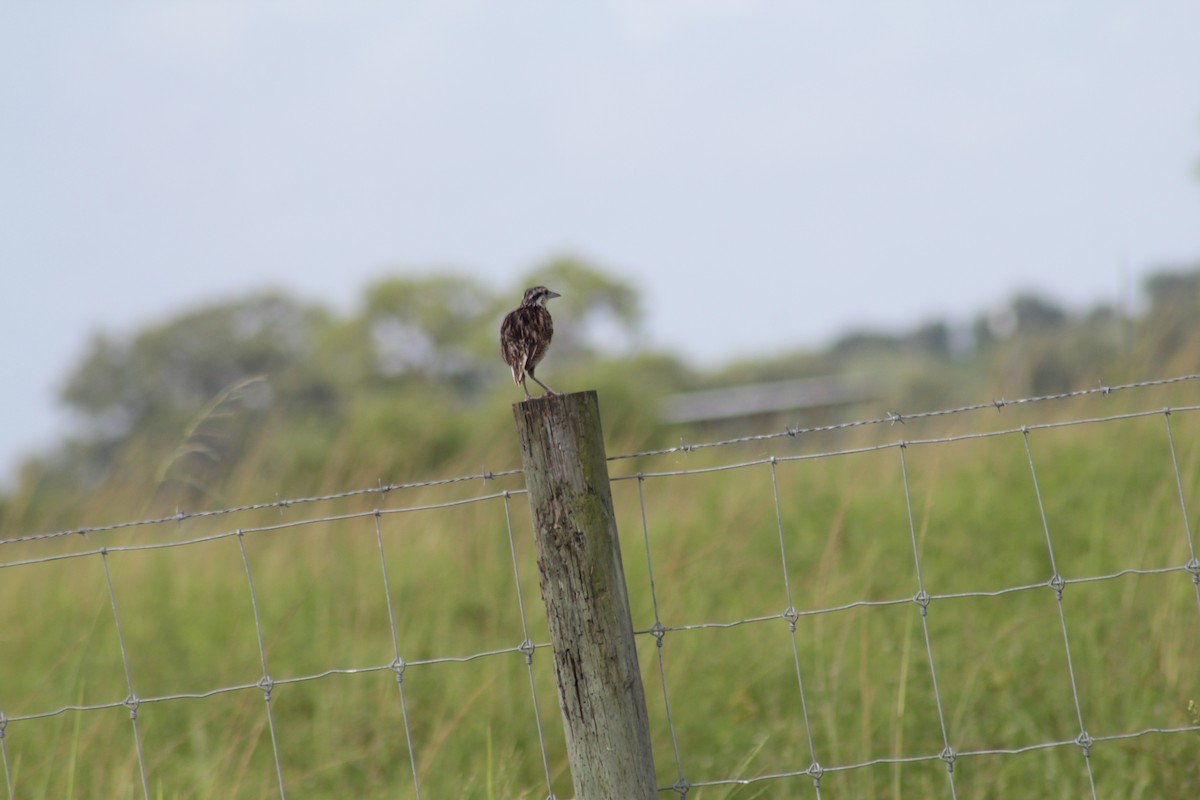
[132, 702]
[1193, 567]
[266, 683]
[895, 416]
[3, 723]
[526, 648]
[658, 632]
[921, 598]
[791, 615]
[1085, 743]
[815, 771]
[398, 666]
[948, 755]
[681, 787]
[1057, 583]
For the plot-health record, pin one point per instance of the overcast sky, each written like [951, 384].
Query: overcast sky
[768, 173]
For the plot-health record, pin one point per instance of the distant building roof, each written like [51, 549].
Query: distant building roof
[766, 398]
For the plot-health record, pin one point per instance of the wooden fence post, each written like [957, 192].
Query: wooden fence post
[583, 586]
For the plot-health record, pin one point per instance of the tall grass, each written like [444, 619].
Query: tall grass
[714, 541]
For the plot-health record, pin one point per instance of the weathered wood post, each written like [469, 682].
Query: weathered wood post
[583, 586]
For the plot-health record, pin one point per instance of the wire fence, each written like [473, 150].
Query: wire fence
[815, 761]
[923, 599]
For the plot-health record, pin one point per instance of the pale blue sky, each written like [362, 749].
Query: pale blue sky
[769, 173]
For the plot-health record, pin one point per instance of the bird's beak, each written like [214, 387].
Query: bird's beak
[550, 295]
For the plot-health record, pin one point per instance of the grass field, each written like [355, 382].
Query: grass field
[1111, 503]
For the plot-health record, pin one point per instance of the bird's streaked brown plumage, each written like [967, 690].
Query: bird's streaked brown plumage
[525, 336]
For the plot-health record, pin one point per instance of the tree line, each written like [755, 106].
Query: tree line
[408, 382]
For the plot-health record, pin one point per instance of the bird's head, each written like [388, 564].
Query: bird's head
[537, 296]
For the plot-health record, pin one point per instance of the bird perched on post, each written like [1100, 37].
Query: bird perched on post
[525, 336]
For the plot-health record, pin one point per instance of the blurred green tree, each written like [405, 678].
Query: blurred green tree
[164, 374]
[434, 327]
[1169, 330]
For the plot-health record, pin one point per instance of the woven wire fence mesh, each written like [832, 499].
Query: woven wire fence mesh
[949, 614]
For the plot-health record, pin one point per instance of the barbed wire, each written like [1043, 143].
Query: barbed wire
[211, 537]
[383, 489]
[281, 504]
[895, 417]
[903, 443]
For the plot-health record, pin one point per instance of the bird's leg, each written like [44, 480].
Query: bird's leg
[539, 383]
[525, 389]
